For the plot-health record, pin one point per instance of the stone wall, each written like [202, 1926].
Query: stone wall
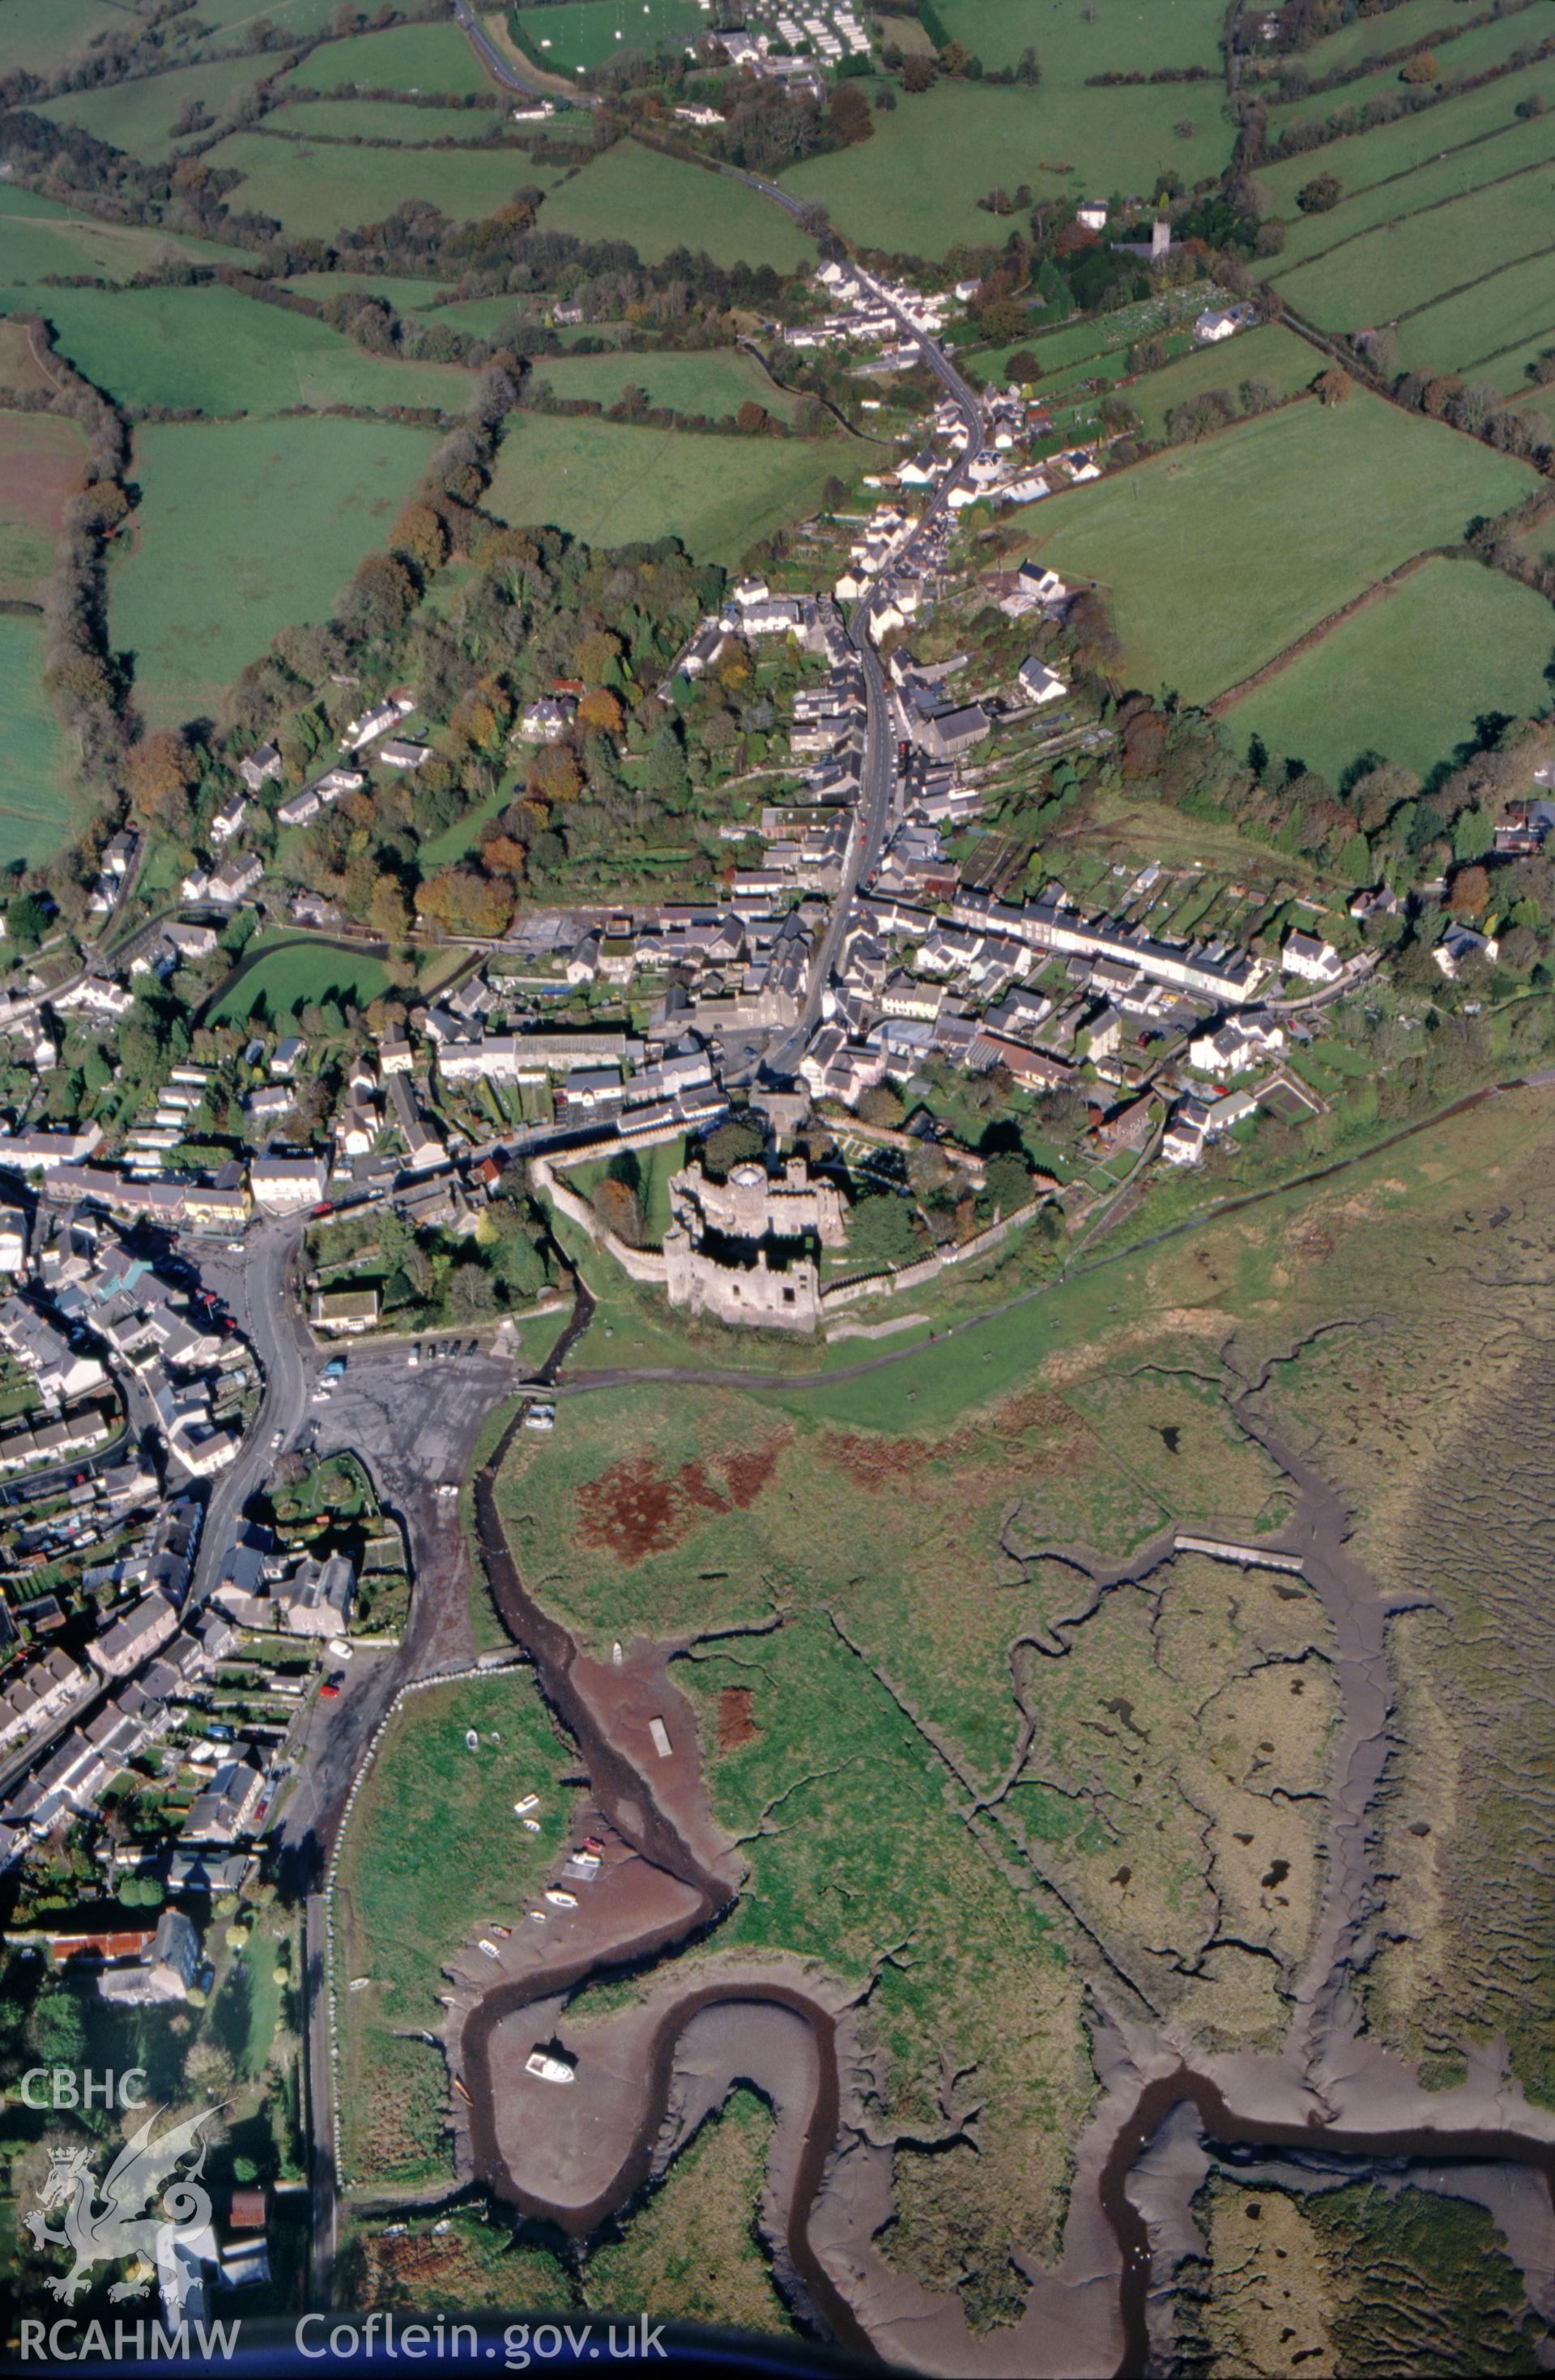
[637, 1264]
[839, 1294]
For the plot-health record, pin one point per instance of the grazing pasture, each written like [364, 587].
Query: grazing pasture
[1397, 168]
[212, 350]
[1409, 676]
[243, 528]
[578, 35]
[34, 803]
[1220, 555]
[139, 116]
[406, 295]
[403, 57]
[1076, 38]
[717, 381]
[659, 203]
[1347, 51]
[43, 35]
[1478, 49]
[43, 461]
[614, 484]
[35, 807]
[316, 189]
[1403, 266]
[1487, 332]
[39, 235]
[913, 187]
[1268, 353]
[386, 119]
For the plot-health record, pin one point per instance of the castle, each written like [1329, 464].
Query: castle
[743, 1250]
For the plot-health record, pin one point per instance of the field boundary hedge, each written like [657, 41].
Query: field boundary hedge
[1220, 703]
[1413, 215]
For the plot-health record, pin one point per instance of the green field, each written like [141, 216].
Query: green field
[613, 484]
[1401, 266]
[405, 57]
[212, 350]
[34, 809]
[1408, 676]
[384, 119]
[1076, 38]
[431, 1849]
[659, 203]
[1514, 149]
[139, 116]
[1399, 168]
[302, 975]
[1348, 49]
[714, 381]
[316, 189]
[228, 20]
[579, 35]
[914, 186]
[43, 35]
[1500, 325]
[1268, 353]
[1220, 555]
[39, 236]
[243, 528]
[1477, 50]
[406, 296]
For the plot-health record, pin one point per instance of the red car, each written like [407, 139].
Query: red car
[324, 1207]
[329, 1693]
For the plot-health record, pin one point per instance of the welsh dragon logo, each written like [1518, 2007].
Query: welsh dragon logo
[101, 2226]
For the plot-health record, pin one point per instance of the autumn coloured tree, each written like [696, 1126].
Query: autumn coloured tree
[615, 1203]
[463, 900]
[602, 712]
[502, 855]
[420, 535]
[595, 655]
[381, 597]
[554, 774]
[850, 115]
[158, 773]
[1469, 893]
